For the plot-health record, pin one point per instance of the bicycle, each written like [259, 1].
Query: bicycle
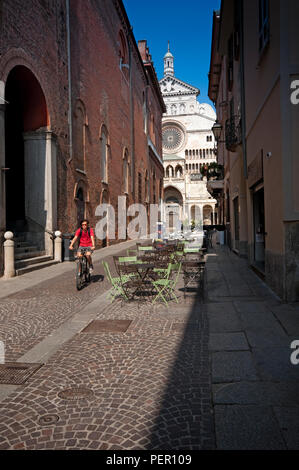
[82, 272]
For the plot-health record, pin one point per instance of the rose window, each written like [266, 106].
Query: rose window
[172, 138]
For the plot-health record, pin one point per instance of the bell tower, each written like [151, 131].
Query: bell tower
[168, 63]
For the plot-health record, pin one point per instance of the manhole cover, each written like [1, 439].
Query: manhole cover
[16, 373]
[75, 393]
[47, 420]
[107, 326]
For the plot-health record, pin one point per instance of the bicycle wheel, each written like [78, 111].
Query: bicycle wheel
[79, 275]
[86, 270]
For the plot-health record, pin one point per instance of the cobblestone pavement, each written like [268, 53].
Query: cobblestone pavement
[195, 375]
[149, 386]
[30, 315]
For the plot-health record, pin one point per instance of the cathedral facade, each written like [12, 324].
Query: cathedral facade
[188, 149]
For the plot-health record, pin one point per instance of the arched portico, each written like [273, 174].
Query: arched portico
[29, 189]
[173, 208]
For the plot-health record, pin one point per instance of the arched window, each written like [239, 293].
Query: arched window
[146, 187]
[204, 153]
[79, 135]
[123, 54]
[200, 152]
[186, 152]
[104, 154]
[178, 171]
[126, 172]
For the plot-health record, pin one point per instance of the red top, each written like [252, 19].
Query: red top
[85, 238]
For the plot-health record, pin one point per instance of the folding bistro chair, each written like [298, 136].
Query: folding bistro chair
[116, 284]
[166, 286]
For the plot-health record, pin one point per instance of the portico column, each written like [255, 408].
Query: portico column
[41, 184]
[2, 174]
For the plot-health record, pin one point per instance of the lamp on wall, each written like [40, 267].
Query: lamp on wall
[217, 130]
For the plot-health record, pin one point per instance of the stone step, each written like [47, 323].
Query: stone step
[29, 255]
[34, 267]
[23, 263]
[25, 249]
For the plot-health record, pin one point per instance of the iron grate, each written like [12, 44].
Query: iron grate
[75, 393]
[17, 373]
[107, 326]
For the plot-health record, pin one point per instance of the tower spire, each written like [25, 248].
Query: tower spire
[168, 63]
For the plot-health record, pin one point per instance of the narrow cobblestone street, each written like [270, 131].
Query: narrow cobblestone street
[202, 374]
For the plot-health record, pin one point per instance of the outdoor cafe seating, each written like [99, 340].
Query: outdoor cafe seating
[151, 272]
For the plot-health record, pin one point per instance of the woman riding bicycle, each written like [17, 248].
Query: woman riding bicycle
[86, 243]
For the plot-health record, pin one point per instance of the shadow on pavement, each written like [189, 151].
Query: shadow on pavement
[185, 420]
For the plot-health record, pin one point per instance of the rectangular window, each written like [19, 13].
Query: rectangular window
[264, 24]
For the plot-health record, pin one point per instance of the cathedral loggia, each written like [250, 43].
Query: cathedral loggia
[188, 147]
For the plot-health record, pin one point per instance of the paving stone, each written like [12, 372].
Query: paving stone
[247, 428]
[251, 306]
[260, 321]
[289, 318]
[267, 338]
[228, 322]
[258, 393]
[233, 366]
[275, 364]
[288, 419]
[228, 342]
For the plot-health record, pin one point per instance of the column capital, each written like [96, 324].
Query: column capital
[40, 134]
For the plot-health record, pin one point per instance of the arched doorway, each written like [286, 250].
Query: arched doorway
[173, 209]
[80, 204]
[207, 215]
[30, 155]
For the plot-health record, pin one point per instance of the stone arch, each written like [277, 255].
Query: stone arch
[169, 172]
[30, 153]
[81, 197]
[79, 134]
[174, 206]
[178, 171]
[105, 146]
[125, 170]
[207, 214]
[18, 57]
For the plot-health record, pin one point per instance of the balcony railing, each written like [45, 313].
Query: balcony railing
[233, 133]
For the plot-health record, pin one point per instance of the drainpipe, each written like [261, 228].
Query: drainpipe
[70, 112]
[131, 118]
[242, 77]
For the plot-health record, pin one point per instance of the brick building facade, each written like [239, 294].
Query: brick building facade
[80, 116]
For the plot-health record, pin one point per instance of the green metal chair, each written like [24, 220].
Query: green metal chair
[166, 286]
[145, 248]
[116, 283]
[127, 259]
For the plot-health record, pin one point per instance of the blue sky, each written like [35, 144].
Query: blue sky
[187, 25]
